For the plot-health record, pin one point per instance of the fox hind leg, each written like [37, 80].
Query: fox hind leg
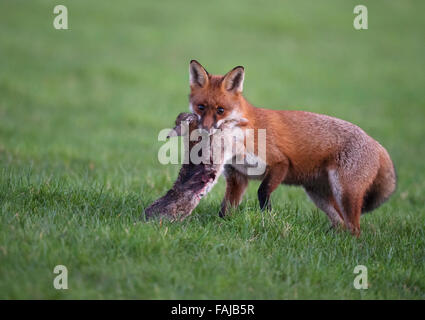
[349, 199]
[324, 200]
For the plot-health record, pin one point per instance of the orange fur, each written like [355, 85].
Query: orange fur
[343, 170]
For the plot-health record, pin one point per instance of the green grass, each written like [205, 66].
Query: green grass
[80, 111]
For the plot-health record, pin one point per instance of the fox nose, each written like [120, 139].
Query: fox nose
[206, 125]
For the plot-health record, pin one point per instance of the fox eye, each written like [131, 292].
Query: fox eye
[220, 110]
[201, 107]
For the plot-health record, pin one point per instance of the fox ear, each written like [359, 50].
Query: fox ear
[198, 76]
[233, 80]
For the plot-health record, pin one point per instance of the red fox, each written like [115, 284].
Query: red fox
[343, 170]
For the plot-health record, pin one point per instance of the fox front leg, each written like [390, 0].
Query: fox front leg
[274, 177]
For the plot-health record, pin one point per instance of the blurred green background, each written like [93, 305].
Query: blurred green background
[80, 111]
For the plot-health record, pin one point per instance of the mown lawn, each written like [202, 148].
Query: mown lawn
[80, 111]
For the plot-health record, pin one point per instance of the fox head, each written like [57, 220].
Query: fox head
[216, 99]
